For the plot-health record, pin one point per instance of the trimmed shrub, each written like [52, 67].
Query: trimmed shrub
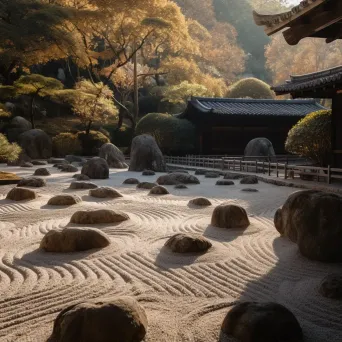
[66, 143]
[92, 142]
[173, 135]
[311, 137]
[122, 137]
[250, 88]
[8, 152]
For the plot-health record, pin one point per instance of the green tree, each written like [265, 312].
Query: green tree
[311, 137]
[8, 152]
[250, 88]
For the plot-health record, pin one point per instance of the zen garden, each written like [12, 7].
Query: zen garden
[171, 170]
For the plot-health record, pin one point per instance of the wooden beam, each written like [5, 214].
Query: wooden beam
[318, 22]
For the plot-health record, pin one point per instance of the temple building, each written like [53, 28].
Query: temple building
[319, 19]
[225, 126]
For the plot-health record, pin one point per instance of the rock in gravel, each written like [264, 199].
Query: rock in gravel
[181, 186]
[249, 190]
[224, 182]
[21, 194]
[78, 185]
[264, 322]
[120, 319]
[98, 216]
[42, 172]
[148, 173]
[75, 159]
[159, 190]
[113, 155]
[81, 177]
[26, 164]
[230, 175]
[105, 192]
[331, 286]
[57, 161]
[229, 216]
[74, 240]
[177, 178]
[249, 180]
[313, 220]
[146, 155]
[65, 199]
[131, 181]
[200, 201]
[34, 182]
[96, 168]
[260, 147]
[146, 185]
[67, 168]
[188, 243]
[179, 171]
[39, 162]
[211, 174]
[36, 144]
[200, 172]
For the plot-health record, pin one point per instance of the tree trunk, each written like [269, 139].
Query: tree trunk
[32, 112]
[88, 127]
[136, 88]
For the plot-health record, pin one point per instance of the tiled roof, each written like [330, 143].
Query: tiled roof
[311, 81]
[281, 20]
[254, 107]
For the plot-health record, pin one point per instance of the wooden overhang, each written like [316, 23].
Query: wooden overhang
[322, 84]
[311, 18]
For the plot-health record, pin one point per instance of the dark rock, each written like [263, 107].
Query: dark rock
[131, 181]
[146, 155]
[74, 159]
[224, 182]
[186, 243]
[42, 172]
[98, 216]
[22, 158]
[39, 162]
[21, 194]
[34, 182]
[229, 216]
[17, 126]
[313, 220]
[177, 178]
[74, 240]
[331, 286]
[36, 144]
[81, 177]
[179, 171]
[249, 190]
[79, 185]
[113, 155]
[211, 174]
[102, 320]
[229, 175]
[64, 199]
[105, 192]
[96, 168]
[26, 164]
[200, 172]
[146, 185]
[264, 322]
[260, 147]
[159, 190]
[67, 168]
[200, 201]
[57, 161]
[249, 180]
[181, 186]
[148, 173]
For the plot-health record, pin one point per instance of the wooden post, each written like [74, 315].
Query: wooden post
[277, 170]
[269, 168]
[329, 175]
[222, 164]
[256, 166]
[240, 164]
[263, 167]
[285, 170]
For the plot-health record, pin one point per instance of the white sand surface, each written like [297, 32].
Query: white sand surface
[185, 297]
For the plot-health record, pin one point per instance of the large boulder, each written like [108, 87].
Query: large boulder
[229, 216]
[105, 192]
[36, 144]
[187, 243]
[113, 155]
[96, 168]
[98, 216]
[42, 172]
[73, 240]
[119, 319]
[249, 180]
[34, 182]
[313, 220]
[17, 126]
[264, 322]
[145, 154]
[260, 147]
[177, 178]
[21, 194]
[64, 199]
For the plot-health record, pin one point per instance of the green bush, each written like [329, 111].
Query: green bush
[8, 152]
[66, 143]
[311, 137]
[250, 88]
[92, 142]
[173, 135]
[122, 137]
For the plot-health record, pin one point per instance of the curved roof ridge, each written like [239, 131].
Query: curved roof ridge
[198, 101]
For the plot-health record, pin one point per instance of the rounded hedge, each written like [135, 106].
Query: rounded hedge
[250, 88]
[92, 142]
[311, 137]
[173, 135]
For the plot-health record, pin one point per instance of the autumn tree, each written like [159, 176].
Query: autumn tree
[8, 151]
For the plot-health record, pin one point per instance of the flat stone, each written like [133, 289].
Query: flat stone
[159, 190]
[331, 286]
[146, 185]
[98, 217]
[148, 173]
[42, 172]
[188, 243]
[105, 192]
[224, 182]
[34, 182]
[78, 185]
[64, 199]
[21, 194]
[200, 201]
[131, 181]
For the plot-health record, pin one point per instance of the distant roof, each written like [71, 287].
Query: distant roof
[226, 106]
[311, 81]
[276, 22]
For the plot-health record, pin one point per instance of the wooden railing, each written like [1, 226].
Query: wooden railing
[277, 169]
